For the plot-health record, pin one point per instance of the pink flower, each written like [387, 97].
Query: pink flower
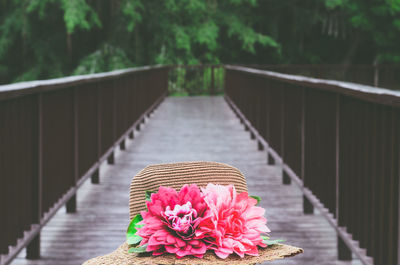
[181, 219]
[171, 222]
[232, 223]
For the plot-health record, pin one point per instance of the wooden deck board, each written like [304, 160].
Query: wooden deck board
[183, 129]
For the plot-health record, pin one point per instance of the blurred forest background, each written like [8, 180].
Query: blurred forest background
[41, 39]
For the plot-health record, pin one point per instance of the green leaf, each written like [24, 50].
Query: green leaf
[273, 242]
[140, 249]
[258, 198]
[148, 195]
[132, 228]
[265, 237]
[131, 237]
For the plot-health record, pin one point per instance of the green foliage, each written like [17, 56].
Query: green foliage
[193, 81]
[247, 35]
[270, 242]
[377, 22]
[148, 195]
[106, 58]
[139, 249]
[11, 27]
[78, 14]
[42, 39]
[131, 237]
[132, 9]
[258, 198]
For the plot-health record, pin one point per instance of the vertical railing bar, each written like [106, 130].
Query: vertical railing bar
[33, 248]
[344, 253]
[285, 178]
[99, 132]
[71, 203]
[40, 156]
[114, 110]
[398, 191]
[308, 207]
[111, 157]
[391, 188]
[303, 131]
[337, 154]
[76, 134]
[212, 81]
[95, 178]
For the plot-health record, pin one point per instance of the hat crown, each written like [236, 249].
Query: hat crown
[175, 175]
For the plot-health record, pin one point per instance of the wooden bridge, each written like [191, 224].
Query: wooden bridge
[259, 127]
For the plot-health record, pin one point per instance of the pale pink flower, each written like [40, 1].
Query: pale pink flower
[171, 222]
[233, 223]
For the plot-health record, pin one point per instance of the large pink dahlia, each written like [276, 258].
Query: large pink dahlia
[233, 223]
[171, 222]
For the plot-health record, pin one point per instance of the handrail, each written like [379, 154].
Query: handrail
[30, 87]
[54, 134]
[369, 93]
[377, 75]
[339, 142]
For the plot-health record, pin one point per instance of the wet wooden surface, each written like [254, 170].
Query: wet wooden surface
[183, 129]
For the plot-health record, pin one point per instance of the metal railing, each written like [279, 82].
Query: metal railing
[339, 142]
[54, 134]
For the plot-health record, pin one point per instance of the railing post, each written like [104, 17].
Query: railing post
[131, 135]
[252, 135]
[95, 178]
[344, 253]
[270, 159]
[33, 248]
[396, 115]
[122, 145]
[260, 146]
[308, 208]
[398, 212]
[285, 177]
[71, 203]
[337, 157]
[212, 88]
[111, 157]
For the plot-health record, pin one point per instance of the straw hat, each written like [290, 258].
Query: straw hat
[175, 175]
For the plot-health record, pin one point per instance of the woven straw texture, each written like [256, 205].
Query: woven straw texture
[122, 257]
[175, 175]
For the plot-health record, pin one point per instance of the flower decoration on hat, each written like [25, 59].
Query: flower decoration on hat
[193, 221]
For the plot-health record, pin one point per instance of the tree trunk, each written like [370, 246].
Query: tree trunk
[348, 58]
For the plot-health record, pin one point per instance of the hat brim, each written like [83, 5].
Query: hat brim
[122, 257]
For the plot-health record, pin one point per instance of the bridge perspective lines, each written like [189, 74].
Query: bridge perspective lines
[183, 129]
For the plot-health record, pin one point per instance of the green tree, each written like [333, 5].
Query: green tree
[51, 38]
